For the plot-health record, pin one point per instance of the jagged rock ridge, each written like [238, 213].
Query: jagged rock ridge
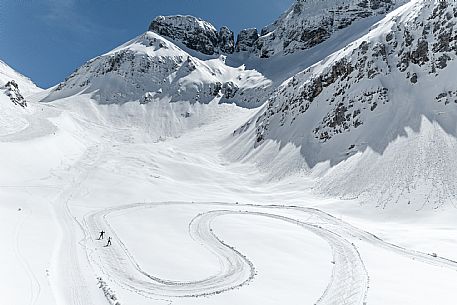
[308, 23]
[158, 64]
[195, 34]
[303, 26]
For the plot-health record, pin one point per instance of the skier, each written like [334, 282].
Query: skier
[102, 233]
[109, 242]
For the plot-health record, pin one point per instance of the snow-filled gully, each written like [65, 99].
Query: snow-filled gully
[348, 284]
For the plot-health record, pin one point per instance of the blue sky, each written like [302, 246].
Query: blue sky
[48, 39]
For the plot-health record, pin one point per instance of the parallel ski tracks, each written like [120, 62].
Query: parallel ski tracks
[348, 284]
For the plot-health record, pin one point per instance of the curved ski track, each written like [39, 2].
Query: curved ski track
[348, 284]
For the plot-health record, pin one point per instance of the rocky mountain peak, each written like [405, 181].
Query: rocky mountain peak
[195, 33]
[151, 68]
[310, 22]
[246, 40]
[306, 24]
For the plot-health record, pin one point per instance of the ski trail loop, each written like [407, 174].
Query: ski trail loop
[235, 269]
[348, 284]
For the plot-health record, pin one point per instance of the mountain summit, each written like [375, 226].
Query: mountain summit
[195, 34]
[151, 67]
[306, 24]
[184, 57]
[309, 22]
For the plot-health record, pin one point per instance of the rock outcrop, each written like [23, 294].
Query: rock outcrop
[307, 24]
[376, 119]
[246, 40]
[194, 33]
[151, 68]
[13, 92]
[226, 40]
[357, 82]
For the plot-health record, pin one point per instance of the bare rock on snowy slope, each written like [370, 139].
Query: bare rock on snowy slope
[386, 105]
[194, 33]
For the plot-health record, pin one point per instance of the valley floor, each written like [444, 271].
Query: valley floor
[190, 227]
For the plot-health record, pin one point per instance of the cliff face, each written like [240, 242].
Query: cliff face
[194, 33]
[246, 40]
[306, 24]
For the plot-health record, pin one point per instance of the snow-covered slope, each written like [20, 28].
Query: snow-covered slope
[14, 86]
[7, 74]
[122, 146]
[15, 89]
[386, 105]
[151, 67]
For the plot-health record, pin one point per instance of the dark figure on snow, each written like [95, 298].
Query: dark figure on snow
[102, 233]
[109, 242]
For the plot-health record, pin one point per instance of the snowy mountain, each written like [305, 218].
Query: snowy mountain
[8, 74]
[151, 67]
[306, 24]
[183, 56]
[180, 168]
[15, 90]
[386, 105]
[309, 22]
[345, 115]
[14, 85]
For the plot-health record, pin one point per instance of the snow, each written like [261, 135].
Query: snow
[26, 86]
[10, 123]
[375, 125]
[309, 23]
[69, 196]
[201, 214]
[151, 64]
